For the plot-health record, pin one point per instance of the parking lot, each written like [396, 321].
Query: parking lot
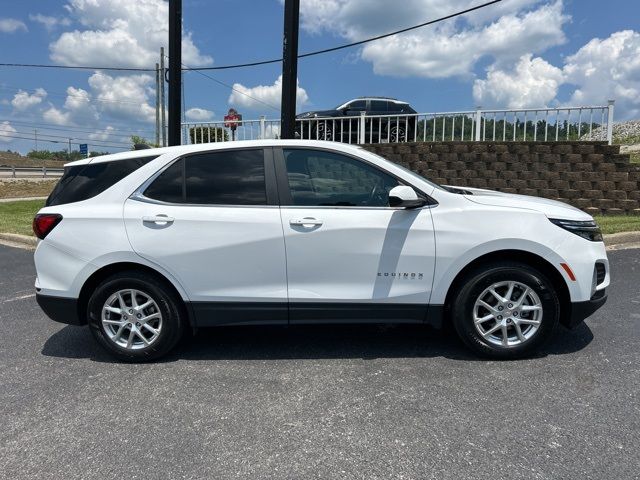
[318, 402]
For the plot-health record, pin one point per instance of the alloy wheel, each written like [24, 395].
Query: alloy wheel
[131, 319]
[508, 313]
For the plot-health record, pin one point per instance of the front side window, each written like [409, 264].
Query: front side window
[357, 105]
[322, 178]
[232, 177]
[82, 182]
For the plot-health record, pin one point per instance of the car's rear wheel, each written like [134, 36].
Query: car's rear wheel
[324, 131]
[135, 316]
[505, 310]
[398, 133]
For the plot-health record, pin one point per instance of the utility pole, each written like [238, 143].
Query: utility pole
[157, 104]
[35, 137]
[162, 99]
[69, 149]
[175, 70]
[289, 68]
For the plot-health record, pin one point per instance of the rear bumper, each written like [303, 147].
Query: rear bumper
[583, 310]
[60, 309]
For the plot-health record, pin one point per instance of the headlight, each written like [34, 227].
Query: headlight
[588, 230]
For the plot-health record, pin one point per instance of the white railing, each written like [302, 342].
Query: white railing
[30, 172]
[536, 125]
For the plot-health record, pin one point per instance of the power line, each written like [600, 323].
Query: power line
[66, 142]
[46, 126]
[275, 60]
[77, 67]
[84, 140]
[60, 94]
[235, 89]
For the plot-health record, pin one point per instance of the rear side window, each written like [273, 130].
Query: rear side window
[379, 106]
[82, 182]
[234, 177]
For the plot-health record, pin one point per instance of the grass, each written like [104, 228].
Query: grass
[635, 157]
[618, 223]
[26, 188]
[16, 217]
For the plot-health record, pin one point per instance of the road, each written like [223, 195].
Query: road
[319, 402]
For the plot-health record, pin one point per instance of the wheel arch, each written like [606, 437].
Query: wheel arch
[108, 270]
[531, 259]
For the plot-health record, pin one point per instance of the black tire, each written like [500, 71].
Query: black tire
[473, 286]
[170, 307]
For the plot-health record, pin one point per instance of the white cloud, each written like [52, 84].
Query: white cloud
[125, 97]
[11, 25]
[102, 135]
[198, 114]
[50, 22]
[450, 48]
[607, 69]
[6, 129]
[602, 69]
[77, 109]
[532, 83]
[56, 116]
[257, 98]
[23, 100]
[120, 32]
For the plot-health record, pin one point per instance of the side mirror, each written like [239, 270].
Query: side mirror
[405, 197]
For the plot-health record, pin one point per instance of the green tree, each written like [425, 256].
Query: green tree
[138, 140]
[208, 134]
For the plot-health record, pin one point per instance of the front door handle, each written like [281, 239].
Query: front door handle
[158, 219]
[307, 222]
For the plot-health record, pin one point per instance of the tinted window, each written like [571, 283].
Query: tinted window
[379, 106]
[233, 177]
[82, 182]
[168, 187]
[357, 105]
[320, 178]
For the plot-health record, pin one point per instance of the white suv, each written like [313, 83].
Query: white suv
[145, 245]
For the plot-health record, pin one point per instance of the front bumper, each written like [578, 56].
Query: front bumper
[60, 309]
[582, 310]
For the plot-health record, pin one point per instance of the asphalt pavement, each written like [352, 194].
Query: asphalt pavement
[362, 402]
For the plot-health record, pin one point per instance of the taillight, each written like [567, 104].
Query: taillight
[43, 223]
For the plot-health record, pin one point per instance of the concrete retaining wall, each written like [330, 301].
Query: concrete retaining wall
[589, 175]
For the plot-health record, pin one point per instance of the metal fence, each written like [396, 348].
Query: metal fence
[30, 172]
[540, 124]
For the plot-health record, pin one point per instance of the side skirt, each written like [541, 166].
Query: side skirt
[209, 314]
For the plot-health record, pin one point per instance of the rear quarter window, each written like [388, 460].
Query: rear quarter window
[82, 182]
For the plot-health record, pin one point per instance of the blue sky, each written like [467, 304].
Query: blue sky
[520, 53]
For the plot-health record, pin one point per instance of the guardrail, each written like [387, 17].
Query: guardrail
[538, 124]
[30, 172]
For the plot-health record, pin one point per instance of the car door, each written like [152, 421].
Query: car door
[212, 221]
[376, 126]
[349, 255]
[351, 126]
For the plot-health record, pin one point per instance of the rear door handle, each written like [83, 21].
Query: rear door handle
[305, 222]
[158, 219]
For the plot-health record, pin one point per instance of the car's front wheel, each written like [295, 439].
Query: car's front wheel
[135, 316]
[505, 310]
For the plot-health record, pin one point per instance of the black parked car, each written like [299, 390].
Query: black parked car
[394, 122]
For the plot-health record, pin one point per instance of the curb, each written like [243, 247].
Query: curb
[617, 241]
[20, 199]
[612, 241]
[24, 241]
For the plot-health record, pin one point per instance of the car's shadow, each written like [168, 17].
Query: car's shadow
[310, 342]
